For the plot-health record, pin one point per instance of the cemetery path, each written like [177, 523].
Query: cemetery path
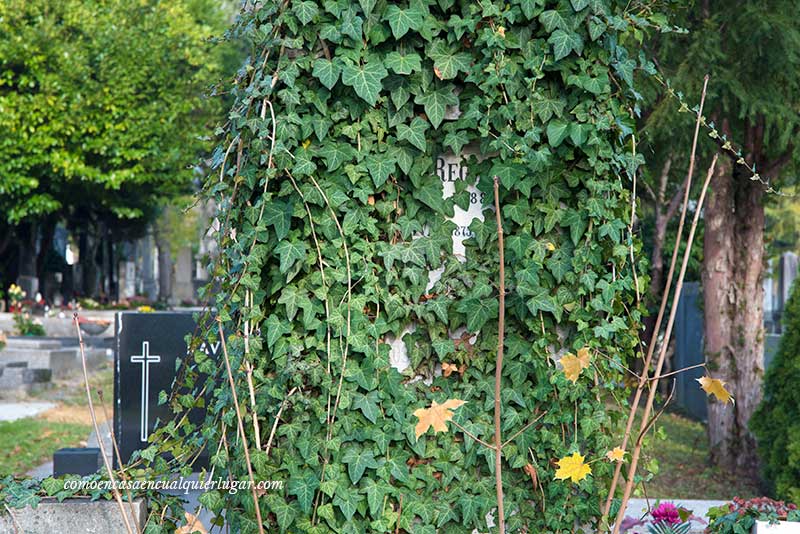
[11, 411]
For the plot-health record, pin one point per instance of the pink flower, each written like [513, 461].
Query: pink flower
[666, 513]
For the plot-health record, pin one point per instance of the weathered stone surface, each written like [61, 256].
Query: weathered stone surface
[43, 354]
[76, 516]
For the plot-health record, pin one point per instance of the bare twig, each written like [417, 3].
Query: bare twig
[473, 436]
[498, 371]
[678, 371]
[115, 446]
[17, 529]
[114, 489]
[240, 425]
[277, 419]
[523, 429]
[643, 379]
[663, 351]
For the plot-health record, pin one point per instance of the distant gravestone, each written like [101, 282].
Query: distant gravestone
[146, 350]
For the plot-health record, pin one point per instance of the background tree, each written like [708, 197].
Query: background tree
[775, 423]
[751, 49]
[102, 117]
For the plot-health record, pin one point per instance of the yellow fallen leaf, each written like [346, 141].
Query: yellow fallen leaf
[573, 365]
[716, 387]
[617, 454]
[192, 526]
[572, 467]
[549, 246]
[436, 416]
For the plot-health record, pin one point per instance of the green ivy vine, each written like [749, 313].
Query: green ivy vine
[332, 217]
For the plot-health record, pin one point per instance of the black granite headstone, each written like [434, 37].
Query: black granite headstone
[146, 350]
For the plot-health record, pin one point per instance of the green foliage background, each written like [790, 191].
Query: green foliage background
[332, 217]
[101, 106]
[775, 423]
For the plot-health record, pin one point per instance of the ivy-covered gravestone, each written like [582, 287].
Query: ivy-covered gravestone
[345, 227]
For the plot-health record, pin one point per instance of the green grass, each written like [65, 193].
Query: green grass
[27, 443]
[684, 470]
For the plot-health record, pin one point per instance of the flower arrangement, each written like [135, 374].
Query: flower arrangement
[145, 309]
[665, 518]
[27, 326]
[741, 515]
[15, 297]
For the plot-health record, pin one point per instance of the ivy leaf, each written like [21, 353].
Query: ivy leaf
[414, 133]
[578, 5]
[376, 491]
[572, 467]
[552, 19]
[335, 154]
[368, 405]
[564, 43]
[365, 79]
[304, 488]
[403, 63]
[303, 165]
[478, 311]
[716, 387]
[540, 301]
[358, 460]
[446, 62]
[290, 252]
[284, 513]
[305, 11]
[436, 102]
[380, 167]
[402, 20]
[557, 131]
[275, 329]
[436, 416]
[347, 501]
[327, 72]
[456, 140]
[530, 8]
[278, 214]
[351, 24]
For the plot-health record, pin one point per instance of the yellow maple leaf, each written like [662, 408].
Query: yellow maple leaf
[436, 416]
[192, 526]
[573, 365]
[572, 467]
[716, 387]
[617, 454]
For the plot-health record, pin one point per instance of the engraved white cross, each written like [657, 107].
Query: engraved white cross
[145, 358]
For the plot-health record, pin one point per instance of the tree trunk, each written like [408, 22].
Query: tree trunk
[733, 251]
[164, 267]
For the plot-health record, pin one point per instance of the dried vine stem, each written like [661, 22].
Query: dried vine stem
[106, 463]
[241, 427]
[115, 446]
[644, 377]
[498, 371]
[630, 479]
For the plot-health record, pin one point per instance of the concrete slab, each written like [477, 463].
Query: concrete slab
[74, 515]
[11, 411]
